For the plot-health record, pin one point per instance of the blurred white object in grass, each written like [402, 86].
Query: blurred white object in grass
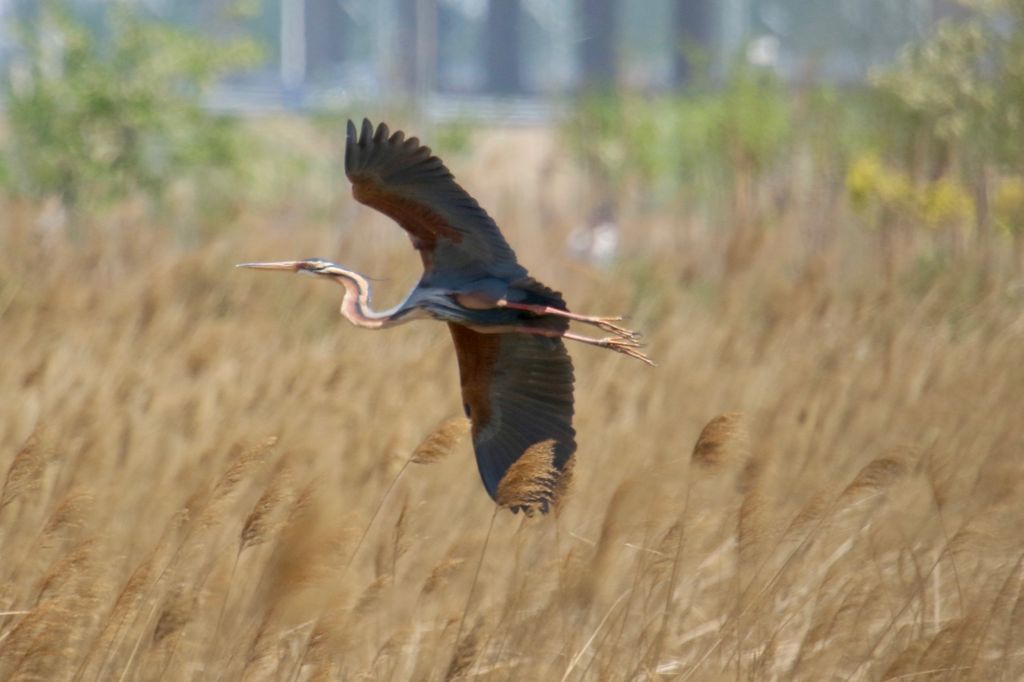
[597, 242]
[764, 51]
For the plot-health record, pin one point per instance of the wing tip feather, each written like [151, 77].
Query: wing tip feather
[401, 177]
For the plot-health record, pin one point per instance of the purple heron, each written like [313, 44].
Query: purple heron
[508, 328]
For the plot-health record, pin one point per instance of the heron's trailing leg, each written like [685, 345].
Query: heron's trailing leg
[605, 323]
[626, 346]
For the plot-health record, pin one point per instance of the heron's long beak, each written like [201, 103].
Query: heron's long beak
[289, 265]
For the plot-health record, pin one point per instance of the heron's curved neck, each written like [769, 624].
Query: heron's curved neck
[355, 306]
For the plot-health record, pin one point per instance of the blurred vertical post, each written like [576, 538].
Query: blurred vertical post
[599, 68]
[407, 45]
[945, 9]
[502, 48]
[692, 30]
[426, 47]
[598, 53]
[417, 45]
[293, 49]
[325, 36]
[735, 31]
[8, 22]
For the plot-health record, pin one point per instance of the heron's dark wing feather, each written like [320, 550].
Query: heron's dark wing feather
[404, 180]
[518, 391]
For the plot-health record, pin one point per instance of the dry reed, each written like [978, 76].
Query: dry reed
[441, 441]
[861, 518]
[531, 482]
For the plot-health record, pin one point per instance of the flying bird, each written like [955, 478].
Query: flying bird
[508, 328]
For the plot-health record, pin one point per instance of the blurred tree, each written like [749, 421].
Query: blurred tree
[957, 102]
[96, 119]
[598, 50]
[502, 47]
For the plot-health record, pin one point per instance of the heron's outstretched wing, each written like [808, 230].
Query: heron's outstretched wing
[404, 180]
[517, 390]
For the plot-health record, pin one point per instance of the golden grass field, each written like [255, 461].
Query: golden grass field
[190, 455]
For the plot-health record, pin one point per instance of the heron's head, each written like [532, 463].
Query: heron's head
[311, 266]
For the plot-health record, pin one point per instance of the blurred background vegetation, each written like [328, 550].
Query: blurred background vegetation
[906, 121]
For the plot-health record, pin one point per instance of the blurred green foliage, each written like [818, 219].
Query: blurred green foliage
[953, 110]
[1008, 206]
[663, 143]
[875, 187]
[964, 86]
[453, 138]
[93, 119]
[891, 196]
[933, 141]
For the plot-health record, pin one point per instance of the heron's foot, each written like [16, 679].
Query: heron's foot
[626, 346]
[608, 325]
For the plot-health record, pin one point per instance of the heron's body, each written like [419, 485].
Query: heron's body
[516, 375]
